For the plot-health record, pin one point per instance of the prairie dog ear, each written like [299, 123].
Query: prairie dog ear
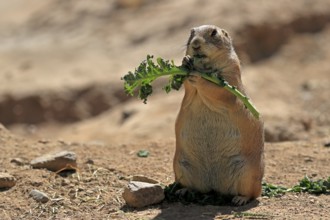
[225, 33]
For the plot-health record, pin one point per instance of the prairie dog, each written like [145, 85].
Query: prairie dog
[219, 143]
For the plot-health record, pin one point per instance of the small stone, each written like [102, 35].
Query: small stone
[89, 161]
[140, 194]
[65, 160]
[90, 192]
[7, 180]
[19, 161]
[145, 179]
[39, 196]
[65, 182]
[36, 183]
[44, 141]
[308, 159]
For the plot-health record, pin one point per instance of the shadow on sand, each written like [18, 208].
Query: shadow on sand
[178, 211]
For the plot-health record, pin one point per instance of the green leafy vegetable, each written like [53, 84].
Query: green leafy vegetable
[148, 71]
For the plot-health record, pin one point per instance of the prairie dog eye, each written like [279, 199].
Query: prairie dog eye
[214, 32]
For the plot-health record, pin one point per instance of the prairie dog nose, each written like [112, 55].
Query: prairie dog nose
[196, 43]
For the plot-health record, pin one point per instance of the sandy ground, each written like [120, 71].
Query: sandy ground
[60, 69]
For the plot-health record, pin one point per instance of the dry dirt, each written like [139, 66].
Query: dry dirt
[60, 68]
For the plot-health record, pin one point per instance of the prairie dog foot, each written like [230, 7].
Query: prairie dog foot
[182, 192]
[240, 200]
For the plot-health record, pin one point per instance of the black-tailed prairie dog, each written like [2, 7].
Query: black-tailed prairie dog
[219, 143]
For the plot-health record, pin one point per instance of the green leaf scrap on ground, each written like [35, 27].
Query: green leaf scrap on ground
[250, 215]
[271, 190]
[143, 153]
[305, 185]
[140, 80]
[312, 187]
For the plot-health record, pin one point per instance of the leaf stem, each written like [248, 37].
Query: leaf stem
[234, 91]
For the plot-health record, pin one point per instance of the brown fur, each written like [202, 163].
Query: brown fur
[219, 143]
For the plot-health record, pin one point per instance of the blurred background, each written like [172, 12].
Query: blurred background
[61, 62]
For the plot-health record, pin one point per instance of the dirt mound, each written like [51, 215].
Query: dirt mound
[62, 106]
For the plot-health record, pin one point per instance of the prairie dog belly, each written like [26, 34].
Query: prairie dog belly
[211, 148]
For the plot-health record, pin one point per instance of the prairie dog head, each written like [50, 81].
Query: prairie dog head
[210, 47]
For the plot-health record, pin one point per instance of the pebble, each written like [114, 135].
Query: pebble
[19, 161]
[326, 144]
[65, 182]
[39, 196]
[89, 161]
[140, 194]
[56, 161]
[7, 180]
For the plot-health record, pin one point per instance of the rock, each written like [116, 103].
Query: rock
[89, 161]
[44, 141]
[39, 196]
[19, 161]
[145, 179]
[140, 194]
[65, 182]
[66, 160]
[7, 180]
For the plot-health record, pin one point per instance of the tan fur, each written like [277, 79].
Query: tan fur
[219, 143]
